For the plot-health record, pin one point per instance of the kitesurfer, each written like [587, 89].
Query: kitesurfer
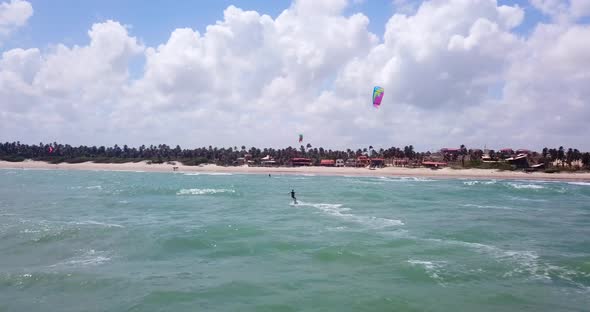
[293, 196]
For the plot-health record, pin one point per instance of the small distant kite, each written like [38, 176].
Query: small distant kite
[50, 150]
[300, 138]
[377, 96]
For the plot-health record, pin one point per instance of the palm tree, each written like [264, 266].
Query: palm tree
[463, 153]
[586, 159]
[569, 157]
[560, 155]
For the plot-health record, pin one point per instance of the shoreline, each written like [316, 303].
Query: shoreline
[443, 173]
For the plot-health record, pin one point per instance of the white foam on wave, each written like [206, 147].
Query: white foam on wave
[526, 186]
[208, 173]
[526, 262]
[91, 222]
[29, 231]
[476, 182]
[87, 258]
[489, 207]
[406, 179]
[196, 191]
[580, 183]
[337, 210]
[91, 187]
[433, 269]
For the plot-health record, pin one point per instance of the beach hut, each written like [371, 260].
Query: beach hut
[519, 161]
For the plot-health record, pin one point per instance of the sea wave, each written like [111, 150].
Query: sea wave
[87, 258]
[208, 173]
[91, 222]
[337, 210]
[91, 187]
[432, 268]
[489, 207]
[526, 186]
[476, 182]
[196, 191]
[579, 183]
[406, 179]
[525, 262]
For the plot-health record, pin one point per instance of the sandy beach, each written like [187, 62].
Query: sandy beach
[444, 173]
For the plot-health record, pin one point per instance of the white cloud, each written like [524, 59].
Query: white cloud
[13, 14]
[67, 88]
[580, 8]
[454, 72]
[563, 11]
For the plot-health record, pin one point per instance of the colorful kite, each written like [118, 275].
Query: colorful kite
[300, 138]
[377, 96]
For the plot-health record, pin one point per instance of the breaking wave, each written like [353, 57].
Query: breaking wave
[196, 191]
[406, 179]
[87, 258]
[337, 210]
[476, 182]
[526, 186]
[433, 269]
[525, 262]
[489, 207]
[208, 173]
[91, 222]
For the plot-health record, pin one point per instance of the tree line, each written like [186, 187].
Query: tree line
[57, 153]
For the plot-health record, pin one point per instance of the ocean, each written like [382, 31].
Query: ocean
[139, 241]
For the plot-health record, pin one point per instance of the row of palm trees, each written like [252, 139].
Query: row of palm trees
[562, 157]
[56, 152]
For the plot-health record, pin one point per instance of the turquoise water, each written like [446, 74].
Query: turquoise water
[136, 241]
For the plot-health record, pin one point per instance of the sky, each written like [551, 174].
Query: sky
[483, 73]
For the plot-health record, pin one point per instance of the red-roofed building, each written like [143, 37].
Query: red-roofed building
[327, 162]
[362, 161]
[300, 162]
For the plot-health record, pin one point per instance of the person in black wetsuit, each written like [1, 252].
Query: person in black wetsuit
[293, 196]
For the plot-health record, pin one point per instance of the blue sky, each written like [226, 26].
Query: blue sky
[67, 21]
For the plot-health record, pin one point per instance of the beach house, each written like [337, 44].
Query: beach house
[362, 161]
[300, 162]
